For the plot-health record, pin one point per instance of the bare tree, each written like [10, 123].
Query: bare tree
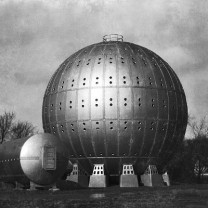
[6, 121]
[22, 129]
[199, 153]
[199, 129]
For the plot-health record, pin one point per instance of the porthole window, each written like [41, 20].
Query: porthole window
[111, 122]
[97, 122]
[111, 128]
[111, 99]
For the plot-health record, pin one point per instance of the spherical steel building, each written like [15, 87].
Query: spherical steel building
[113, 103]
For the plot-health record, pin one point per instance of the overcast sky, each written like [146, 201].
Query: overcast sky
[36, 36]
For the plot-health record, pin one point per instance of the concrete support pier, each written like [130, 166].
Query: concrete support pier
[151, 177]
[166, 179]
[98, 178]
[128, 178]
[78, 176]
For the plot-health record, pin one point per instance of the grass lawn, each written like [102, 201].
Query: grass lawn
[185, 196]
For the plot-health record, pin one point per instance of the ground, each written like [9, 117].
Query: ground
[177, 196]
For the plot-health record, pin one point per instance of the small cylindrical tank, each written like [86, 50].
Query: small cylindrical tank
[41, 158]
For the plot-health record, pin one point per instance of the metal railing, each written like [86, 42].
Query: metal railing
[112, 37]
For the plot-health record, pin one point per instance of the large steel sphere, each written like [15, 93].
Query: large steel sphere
[115, 102]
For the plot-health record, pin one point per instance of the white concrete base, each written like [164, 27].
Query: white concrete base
[82, 180]
[152, 180]
[98, 181]
[166, 179]
[128, 181]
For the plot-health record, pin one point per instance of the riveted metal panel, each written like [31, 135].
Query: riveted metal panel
[179, 107]
[64, 135]
[85, 138]
[125, 103]
[84, 79]
[160, 136]
[150, 132]
[97, 103]
[98, 137]
[53, 107]
[74, 135]
[167, 140]
[111, 139]
[73, 77]
[163, 104]
[55, 83]
[46, 110]
[111, 104]
[138, 137]
[53, 127]
[61, 106]
[83, 104]
[97, 74]
[151, 103]
[172, 105]
[137, 69]
[110, 71]
[167, 77]
[139, 103]
[71, 106]
[124, 78]
[125, 137]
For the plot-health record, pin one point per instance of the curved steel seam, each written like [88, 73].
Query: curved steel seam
[150, 65]
[176, 98]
